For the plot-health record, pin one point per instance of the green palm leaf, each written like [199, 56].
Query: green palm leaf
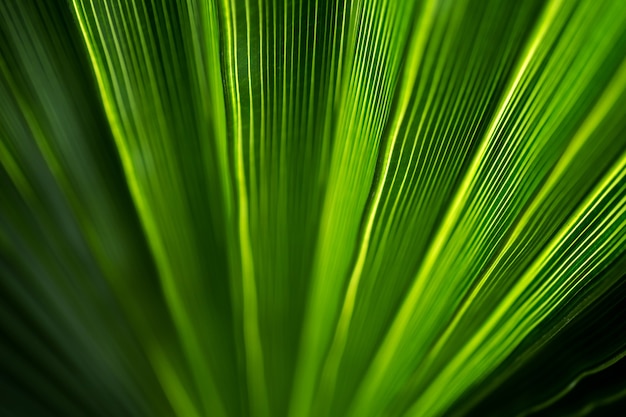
[312, 208]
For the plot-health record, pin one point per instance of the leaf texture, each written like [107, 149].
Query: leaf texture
[312, 208]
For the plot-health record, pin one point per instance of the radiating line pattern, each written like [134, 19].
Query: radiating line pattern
[312, 208]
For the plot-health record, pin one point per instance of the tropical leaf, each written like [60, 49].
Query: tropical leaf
[312, 208]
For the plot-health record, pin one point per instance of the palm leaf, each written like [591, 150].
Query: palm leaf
[312, 208]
